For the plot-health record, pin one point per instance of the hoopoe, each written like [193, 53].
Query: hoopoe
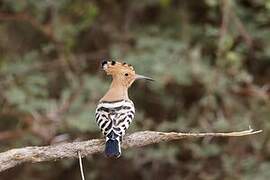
[115, 110]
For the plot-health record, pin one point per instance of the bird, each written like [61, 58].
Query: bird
[115, 111]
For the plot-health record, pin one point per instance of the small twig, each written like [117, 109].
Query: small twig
[35, 154]
[81, 165]
[229, 16]
[226, 11]
[242, 30]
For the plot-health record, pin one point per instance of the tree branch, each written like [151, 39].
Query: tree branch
[35, 154]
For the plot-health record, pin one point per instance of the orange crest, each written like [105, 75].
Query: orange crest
[115, 68]
[123, 74]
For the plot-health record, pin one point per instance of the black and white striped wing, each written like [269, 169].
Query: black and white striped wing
[115, 116]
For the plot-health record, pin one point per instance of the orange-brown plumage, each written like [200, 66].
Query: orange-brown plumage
[123, 76]
[115, 110]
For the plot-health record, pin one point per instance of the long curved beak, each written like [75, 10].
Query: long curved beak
[137, 76]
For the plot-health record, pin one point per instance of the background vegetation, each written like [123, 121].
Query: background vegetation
[210, 59]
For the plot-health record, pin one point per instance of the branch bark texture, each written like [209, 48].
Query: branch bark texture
[35, 154]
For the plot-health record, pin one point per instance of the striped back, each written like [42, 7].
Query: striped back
[114, 118]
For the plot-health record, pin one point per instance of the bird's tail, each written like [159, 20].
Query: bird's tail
[113, 147]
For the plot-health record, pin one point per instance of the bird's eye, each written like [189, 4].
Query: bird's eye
[126, 74]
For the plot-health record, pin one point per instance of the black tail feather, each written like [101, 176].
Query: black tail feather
[112, 148]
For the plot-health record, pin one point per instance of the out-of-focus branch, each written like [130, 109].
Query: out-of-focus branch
[225, 12]
[242, 30]
[10, 134]
[45, 29]
[35, 154]
[229, 16]
[46, 125]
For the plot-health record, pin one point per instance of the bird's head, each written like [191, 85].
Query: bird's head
[122, 72]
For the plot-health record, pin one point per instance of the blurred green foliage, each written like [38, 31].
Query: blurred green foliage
[210, 60]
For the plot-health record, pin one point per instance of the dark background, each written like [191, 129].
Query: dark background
[210, 60]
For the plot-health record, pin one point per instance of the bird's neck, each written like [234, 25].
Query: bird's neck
[117, 91]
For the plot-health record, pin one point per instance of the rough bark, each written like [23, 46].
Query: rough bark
[35, 154]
